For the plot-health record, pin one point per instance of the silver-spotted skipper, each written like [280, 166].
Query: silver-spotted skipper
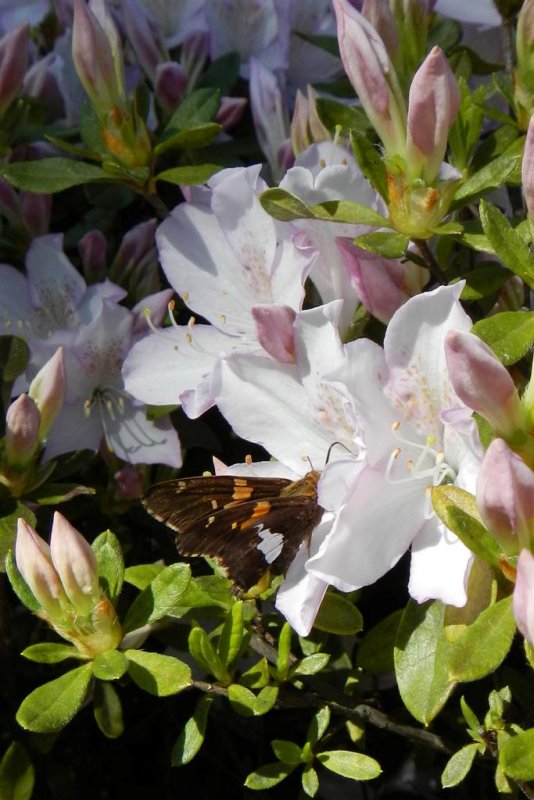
[247, 525]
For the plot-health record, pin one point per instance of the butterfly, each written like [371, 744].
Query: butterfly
[248, 526]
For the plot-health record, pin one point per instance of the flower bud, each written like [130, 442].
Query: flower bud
[13, 63]
[48, 391]
[34, 563]
[75, 564]
[93, 250]
[527, 170]
[36, 212]
[432, 108]
[230, 111]
[170, 85]
[483, 383]
[378, 13]
[274, 328]
[129, 483]
[22, 432]
[306, 126]
[523, 598]
[371, 72]
[93, 60]
[505, 497]
[142, 35]
[269, 113]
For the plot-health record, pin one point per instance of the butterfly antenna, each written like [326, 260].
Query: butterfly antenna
[334, 445]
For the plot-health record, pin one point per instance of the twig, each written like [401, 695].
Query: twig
[430, 261]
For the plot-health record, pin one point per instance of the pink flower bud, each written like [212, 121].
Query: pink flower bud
[13, 63]
[36, 212]
[432, 108]
[527, 170]
[482, 382]
[378, 13]
[93, 60]
[525, 37]
[93, 250]
[170, 84]
[34, 563]
[22, 431]
[269, 113]
[274, 327]
[48, 391]
[230, 111]
[505, 497]
[523, 599]
[136, 244]
[371, 72]
[382, 285]
[129, 483]
[142, 34]
[75, 564]
[306, 126]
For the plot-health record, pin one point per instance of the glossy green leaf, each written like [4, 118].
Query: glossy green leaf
[357, 766]
[516, 756]
[288, 752]
[370, 161]
[190, 175]
[158, 674]
[283, 660]
[110, 563]
[310, 665]
[198, 136]
[231, 638]
[338, 615]
[510, 334]
[51, 706]
[505, 169]
[159, 598]
[15, 357]
[459, 511]
[484, 282]
[484, 645]
[268, 776]
[256, 676]
[265, 700]
[469, 715]
[384, 243]
[205, 654]
[206, 590]
[310, 781]
[192, 735]
[110, 666]
[221, 74]
[242, 700]
[107, 709]
[50, 175]
[507, 242]
[284, 206]
[348, 211]
[421, 652]
[196, 109]
[458, 766]
[142, 575]
[335, 115]
[51, 653]
[17, 776]
[318, 725]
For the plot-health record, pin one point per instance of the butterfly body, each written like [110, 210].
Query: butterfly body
[247, 525]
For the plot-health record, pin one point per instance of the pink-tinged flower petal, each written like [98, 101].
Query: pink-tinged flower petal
[482, 382]
[523, 599]
[483, 12]
[142, 33]
[270, 114]
[22, 431]
[231, 111]
[139, 440]
[170, 84]
[53, 282]
[155, 306]
[34, 562]
[13, 63]
[505, 496]
[439, 566]
[93, 58]
[527, 169]
[75, 564]
[93, 250]
[48, 391]
[274, 328]
[432, 108]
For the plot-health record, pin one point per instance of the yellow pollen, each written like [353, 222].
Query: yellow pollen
[222, 317]
[185, 296]
[396, 425]
[188, 338]
[191, 322]
[248, 459]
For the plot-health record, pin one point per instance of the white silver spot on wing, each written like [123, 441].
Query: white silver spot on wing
[271, 544]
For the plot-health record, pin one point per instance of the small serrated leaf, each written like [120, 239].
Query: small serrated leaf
[458, 766]
[191, 738]
[51, 706]
[158, 674]
[357, 766]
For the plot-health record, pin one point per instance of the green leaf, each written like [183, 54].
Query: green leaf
[469, 715]
[421, 651]
[15, 360]
[507, 242]
[310, 665]
[231, 639]
[351, 765]
[17, 776]
[384, 243]
[509, 334]
[51, 175]
[310, 781]
[484, 645]
[221, 74]
[284, 206]
[207, 590]
[51, 706]
[157, 674]
[50, 494]
[288, 752]
[504, 169]
[110, 666]
[205, 654]
[268, 776]
[347, 211]
[19, 585]
[257, 676]
[242, 700]
[110, 563]
[265, 700]
[107, 709]
[318, 726]
[516, 756]
[335, 115]
[370, 161]
[142, 575]
[51, 653]
[375, 652]
[8, 532]
[190, 175]
[191, 738]
[459, 765]
[283, 659]
[159, 598]
[484, 282]
[458, 510]
[198, 136]
[198, 108]
[338, 615]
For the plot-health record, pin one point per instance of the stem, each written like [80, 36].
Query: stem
[508, 46]
[157, 204]
[431, 263]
